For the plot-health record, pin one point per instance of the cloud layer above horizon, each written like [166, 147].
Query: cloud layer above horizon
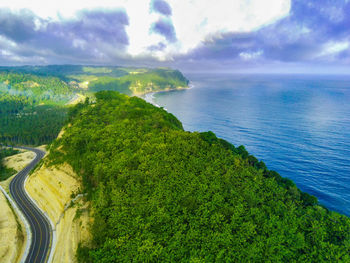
[189, 34]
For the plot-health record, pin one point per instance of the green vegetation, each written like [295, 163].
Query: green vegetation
[130, 81]
[32, 108]
[64, 71]
[24, 122]
[5, 172]
[48, 90]
[160, 194]
[34, 125]
[140, 82]
[110, 83]
[33, 100]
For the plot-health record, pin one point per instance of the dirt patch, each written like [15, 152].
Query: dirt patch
[19, 161]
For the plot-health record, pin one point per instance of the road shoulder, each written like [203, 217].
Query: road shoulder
[11, 233]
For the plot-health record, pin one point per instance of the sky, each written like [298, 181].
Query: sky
[243, 36]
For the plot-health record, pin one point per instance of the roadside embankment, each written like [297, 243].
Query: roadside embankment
[20, 160]
[11, 236]
[12, 230]
[54, 189]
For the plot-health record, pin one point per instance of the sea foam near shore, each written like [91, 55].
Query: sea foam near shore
[149, 97]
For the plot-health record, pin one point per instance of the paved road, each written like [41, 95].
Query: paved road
[39, 225]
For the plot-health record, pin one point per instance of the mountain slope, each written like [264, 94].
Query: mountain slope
[34, 99]
[159, 193]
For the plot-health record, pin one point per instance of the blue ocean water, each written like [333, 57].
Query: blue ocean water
[298, 125]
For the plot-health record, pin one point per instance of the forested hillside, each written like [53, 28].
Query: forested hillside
[5, 172]
[40, 89]
[33, 99]
[25, 121]
[161, 194]
[33, 125]
[131, 81]
[140, 82]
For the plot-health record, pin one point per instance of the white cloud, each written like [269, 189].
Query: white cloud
[11, 56]
[198, 19]
[250, 55]
[194, 20]
[7, 42]
[333, 48]
[61, 8]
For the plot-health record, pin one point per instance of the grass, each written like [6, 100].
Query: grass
[7, 173]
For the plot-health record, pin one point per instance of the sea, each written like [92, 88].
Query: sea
[299, 125]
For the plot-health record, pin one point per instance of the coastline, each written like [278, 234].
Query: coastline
[150, 96]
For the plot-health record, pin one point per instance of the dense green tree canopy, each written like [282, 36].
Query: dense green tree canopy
[40, 89]
[32, 110]
[161, 194]
[6, 172]
[24, 122]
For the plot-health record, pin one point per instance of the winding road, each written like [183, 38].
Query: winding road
[38, 222]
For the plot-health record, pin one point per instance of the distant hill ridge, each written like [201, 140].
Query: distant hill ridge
[34, 99]
[128, 80]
